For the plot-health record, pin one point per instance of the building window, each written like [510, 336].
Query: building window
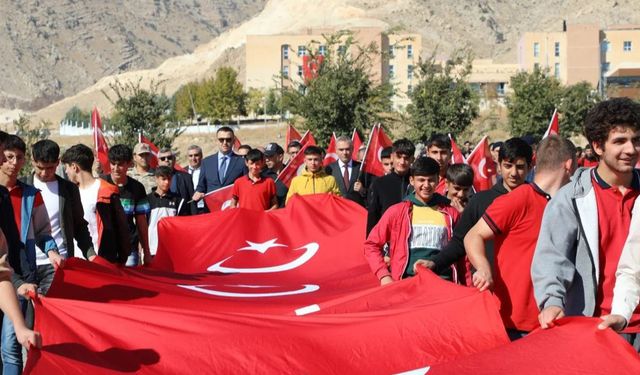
[605, 67]
[285, 52]
[627, 46]
[409, 89]
[556, 70]
[536, 49]
[409, 71]
[342, 49]
[391, 52]
[322, 50]
[536, 66]
[409, 51]
[299, 70]
[285, 71]
[556, 49]
[302, 50]
[605, 46]
[500, 88]
[391, 71]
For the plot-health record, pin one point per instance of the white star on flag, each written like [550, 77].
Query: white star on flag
[262, 247]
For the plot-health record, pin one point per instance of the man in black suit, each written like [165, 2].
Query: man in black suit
[222, 168]
[347, 172]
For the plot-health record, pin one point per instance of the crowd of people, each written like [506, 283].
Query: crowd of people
[556, 235]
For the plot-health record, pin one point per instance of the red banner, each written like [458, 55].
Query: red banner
[293, 168]
[484, 168]
[99, 142]
[554, 125]
[357, 142]
[331, 155]
[456, 155]
[307, 139]
[372, 162]
[219, 200]
[291, 293]
[573, 346]
[292, 135]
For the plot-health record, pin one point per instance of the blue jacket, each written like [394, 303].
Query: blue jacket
[35, 230]
[209, 179]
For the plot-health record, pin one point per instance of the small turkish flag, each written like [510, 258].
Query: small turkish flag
[484, 168]
[457, 156]
[99, 142]
[219, 200]
[331, 154]
[554, 125]
[372, 162]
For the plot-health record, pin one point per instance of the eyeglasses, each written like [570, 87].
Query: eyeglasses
[165, 158]
[223, 140]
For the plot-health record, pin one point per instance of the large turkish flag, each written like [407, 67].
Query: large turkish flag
[240, 291]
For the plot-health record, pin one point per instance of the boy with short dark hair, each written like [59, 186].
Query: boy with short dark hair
[163, 203]
[314, 179]
[134, 201]
[385, 158]
[30, 215]
[392, 188]
[416, 228]
[439, 149]
[100, 201]
[254, 191]
[459, 184]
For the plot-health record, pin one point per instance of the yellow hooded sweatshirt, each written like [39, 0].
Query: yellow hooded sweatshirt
[313, 183]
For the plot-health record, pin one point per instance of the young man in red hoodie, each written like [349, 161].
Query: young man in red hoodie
[415, 229]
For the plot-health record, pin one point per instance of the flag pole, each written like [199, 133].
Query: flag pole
[366, 150]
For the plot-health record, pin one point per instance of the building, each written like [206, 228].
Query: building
[608, 58]
[284, 60]
[491, 80]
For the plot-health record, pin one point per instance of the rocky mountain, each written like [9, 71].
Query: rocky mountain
[53, 49]
[492, 28]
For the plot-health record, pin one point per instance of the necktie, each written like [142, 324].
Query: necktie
[345, 176]
[222, 171]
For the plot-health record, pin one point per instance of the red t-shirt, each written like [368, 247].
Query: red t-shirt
[255, 195]
[442, 186]
[16, 203]
[515, 219]
[588, 163]
[614, 217]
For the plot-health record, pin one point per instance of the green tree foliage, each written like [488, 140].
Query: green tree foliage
[273, 102]
[30, 134]
[225, 96]
[576, 102]
[75, 114]
[255, 101]
[141, 110]
[342, 95]
[184, 102]
[443, 101]
[531, 104]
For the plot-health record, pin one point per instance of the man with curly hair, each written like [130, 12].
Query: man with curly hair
[586, 224]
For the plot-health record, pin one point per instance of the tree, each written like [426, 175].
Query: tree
[256, 101]
[139, 110]
[30, 135]
[576, 102]
[535, 96]
[443, 101]
[225, 95]
[341, 95]
[184, 103]
[273, 102]
[76, 115]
